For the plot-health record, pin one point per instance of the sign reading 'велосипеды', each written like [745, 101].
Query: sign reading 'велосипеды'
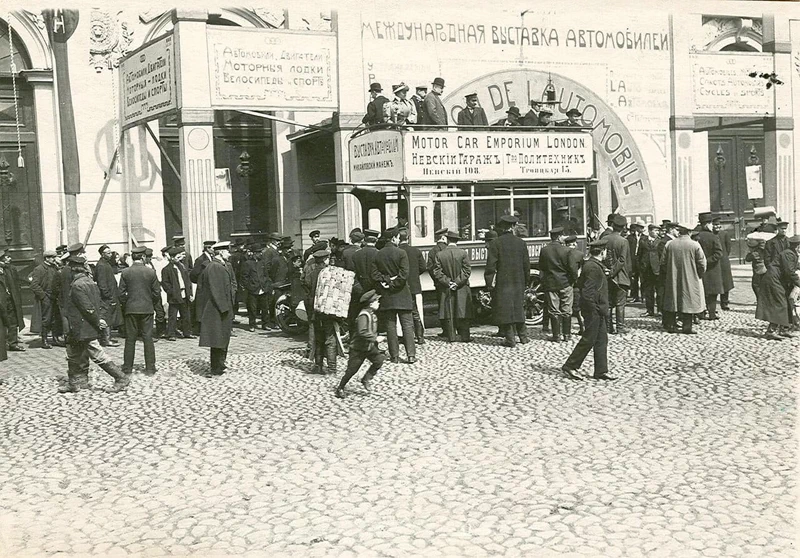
[272, 69]
[497, 155]
[147, 82]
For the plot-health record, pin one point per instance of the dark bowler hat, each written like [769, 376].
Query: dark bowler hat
[102, 248]
[274, 236]
[322, 253]
[620, 220]
[439, 232]
[705, 217]
[514, 111]
[438, 81]
[148, 251]
[610, 218]
[794, 239]
[375, 87]
[371, 233]
[313, 233]
[665, 222]
[139, 250]
[509, 219]
[209, 242]
[369, 297]
[570, 238]
[574, 112]
[77, 247]
[76, 260]
[388, 234]
[287, 243]
[453, 235]
[599, 242]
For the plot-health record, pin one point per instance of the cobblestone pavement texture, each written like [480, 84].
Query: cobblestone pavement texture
[476, 450]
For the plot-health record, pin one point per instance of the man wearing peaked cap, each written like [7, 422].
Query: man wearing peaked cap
[375, 107]
[180, 240]
[44, 285]
[199, 265]
[472, 115]
[110, 310]
[452, 272]
[178, 287]
[649, 266]
[712, 277]
[618, 261]
[558, 273]
[440, 237]
[363, 343]
[418, 98]
[65, 280]
[432, 107]
[684, 263]
[216, 295]
[778, 244]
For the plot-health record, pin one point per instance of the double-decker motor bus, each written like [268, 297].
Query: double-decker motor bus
[466, 180]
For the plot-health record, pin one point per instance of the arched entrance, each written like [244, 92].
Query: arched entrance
[620, 161]
[20, 191]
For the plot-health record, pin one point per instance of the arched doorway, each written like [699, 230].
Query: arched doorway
[20, 191]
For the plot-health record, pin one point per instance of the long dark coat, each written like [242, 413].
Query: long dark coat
[109, 292]
[216, 291]
[438, 247]
[362, 260]
[171, 285]
[618, 259]
[12, 283]
[712, 248]
[593, 288]
[83, 308]
[475, 118]
[508, 269]
[3, 319]
[44, 283]
[725, 261]
[772, 304]
[648, 257]
[416, 267]
[391, 267]
[683, 268]
[452, 264]
[139, 289]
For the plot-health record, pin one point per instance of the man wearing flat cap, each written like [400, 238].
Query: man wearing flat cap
[362, 261]
[472, 115]
[452, 271]
[558, 273]
[348, 253]
[507, 274]
[65, 278]
[106, 280]
[179, 289]
[44, 284]
[400, 111]
[618, 262]
[390, 270]
[779, 242]
[363, 343]
[712, 278]
[139, 291]
[594, 309]
[375, 107]
[315, 238]
[683, 266]
[432, 107]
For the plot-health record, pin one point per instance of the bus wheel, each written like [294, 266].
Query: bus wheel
[534, 302]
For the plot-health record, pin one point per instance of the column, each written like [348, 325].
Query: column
[683, 144]
[778, 130]
[50, 179]
[195, 125]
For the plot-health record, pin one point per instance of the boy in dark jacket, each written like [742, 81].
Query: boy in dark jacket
[364, 344]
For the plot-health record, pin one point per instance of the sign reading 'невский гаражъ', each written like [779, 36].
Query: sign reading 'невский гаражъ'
[272, 69]
[147, 82]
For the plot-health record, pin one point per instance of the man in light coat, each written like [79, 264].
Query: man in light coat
[683, 267]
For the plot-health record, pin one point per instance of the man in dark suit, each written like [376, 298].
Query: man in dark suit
[65, 278]
[179, 241]
[216, 292]
[195, 272]
[178, 287]
[618, 261]
[85, 326]
[472, 115]
[712, 278]
[778, 243]
[440, 236]
[633, 239]
[649, 266]
[257, 282]
[362, 260]
[508, 269]
[138, 290]
[593, 287]
[375, 114]
[106, 281]
[558, 274]
[432, 106]
[390, 272]
[271, 261]
[418, 98]
[452, 272]
[724, 263]
[416, 267]
[315, 237]
[44, 284]
[16, 322]
[349, 252]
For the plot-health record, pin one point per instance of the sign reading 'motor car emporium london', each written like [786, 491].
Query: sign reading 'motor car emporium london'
[475, 155]
[265, 69]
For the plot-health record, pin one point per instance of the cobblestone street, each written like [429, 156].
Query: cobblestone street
[476, 450]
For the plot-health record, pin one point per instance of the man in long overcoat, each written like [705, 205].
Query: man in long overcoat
[683, 268]
[618, 261]
[109, 295]
[215, 296]
[416, 267]
[508, 269]
[452, 271]
[712, 278]
[362, 262]
[432, 107]
[16, 321]
[139, 290]
[390, 271]
[724, 263]
[44, 284]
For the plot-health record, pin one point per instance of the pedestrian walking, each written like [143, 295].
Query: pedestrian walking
[558, 273]
[724, 263]
[216, 291]
[619, 265]
[779, 242]
[416, 267]
[85, 327]
[44, 284]
[712, 278]
[593, 287]
[176, 284]
[390, 271]
[507, 274]
[452, 272]
[105, 277]
[139, 290]
[683, 266]
[364, 344]
[16, 321]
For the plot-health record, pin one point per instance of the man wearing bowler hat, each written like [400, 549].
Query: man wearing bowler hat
[573, 119]
[513, 118]
[375, 107]
[712, 277]
[139, 291]
[432, 106]
[472, 115]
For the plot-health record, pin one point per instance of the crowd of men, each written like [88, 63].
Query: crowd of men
[425, 108]
[680, 272]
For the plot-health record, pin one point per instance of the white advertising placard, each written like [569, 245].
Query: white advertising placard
[147, 82]
[376, 156]
[222, 179]
[500, 155]
[755, 188]
[722, 85]
[272, 69]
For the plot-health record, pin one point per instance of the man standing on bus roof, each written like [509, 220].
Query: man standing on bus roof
[432, 106]
[375, 110]
[418, 98]
[508, 268]
[472, 115]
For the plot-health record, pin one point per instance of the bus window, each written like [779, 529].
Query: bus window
[533, 213]
[420, 221]
[570, 219]
[488, 212]
[503, 190]
[374, 219]
[455, 215]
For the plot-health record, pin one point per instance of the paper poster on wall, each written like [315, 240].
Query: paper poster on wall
[755, 189]
[222, 178]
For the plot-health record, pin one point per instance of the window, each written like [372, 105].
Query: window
[533, 214]
[568, 213]
[455, 215]
[420, 221]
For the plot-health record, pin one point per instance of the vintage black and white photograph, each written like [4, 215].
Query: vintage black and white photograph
[399, 279]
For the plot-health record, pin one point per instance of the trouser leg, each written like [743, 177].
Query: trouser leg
[593, 322]
[131, 333]
[331, 353]
[146, 327]
[419, 330]
[354, 362]
[669, 320]
[711, 306]
[186, 318]
[407, 327]
[545, 318]
[509, 334]
[686, 322]
[252, 309]
[600, 351]
[463, 327]
[724, 300]
[659, 295]
[522, 331]
[172, 320]
[389, 318]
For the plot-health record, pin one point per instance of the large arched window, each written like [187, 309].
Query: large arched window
[21, 59]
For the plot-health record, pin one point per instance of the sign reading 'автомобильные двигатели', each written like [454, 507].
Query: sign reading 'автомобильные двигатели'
[147, 82]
